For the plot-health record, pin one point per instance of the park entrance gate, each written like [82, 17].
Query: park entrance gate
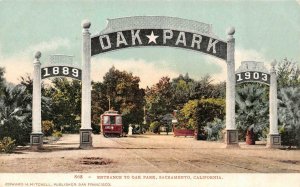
[145, 31]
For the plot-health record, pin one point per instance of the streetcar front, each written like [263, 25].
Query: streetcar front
[111, 124]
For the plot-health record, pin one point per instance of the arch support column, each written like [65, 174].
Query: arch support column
[231, 138]
[36, 137]
[274, 139]
[86, 130]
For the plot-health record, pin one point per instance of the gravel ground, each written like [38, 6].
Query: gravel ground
[150, 154]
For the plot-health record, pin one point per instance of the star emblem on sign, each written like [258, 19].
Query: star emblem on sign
[152, 38]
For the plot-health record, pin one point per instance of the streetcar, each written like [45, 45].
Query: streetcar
[111, 124]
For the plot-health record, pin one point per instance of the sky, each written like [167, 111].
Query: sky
[265, 30]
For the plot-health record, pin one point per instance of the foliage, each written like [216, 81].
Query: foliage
[288, 74]
[166, 96]
[7, 145]
[96, 128]
[197, 113]
[184, 88]
[252, 108]
[27, 82]
[181, 90]
[159, 100]
[214, 129]
[209, 109]
[204, 89]
[167, 121]
[15, 114]
[122, 90]
[65, 104]
[187, 115]
[154, 126]
[289, 115]
[99, 103]
[2, 80]
[47, 127]
[57, 134]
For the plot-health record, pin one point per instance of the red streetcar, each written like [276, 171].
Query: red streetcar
[111, 124]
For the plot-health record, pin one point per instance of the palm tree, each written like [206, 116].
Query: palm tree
[15, 114]
[289, 114]
[251, 111]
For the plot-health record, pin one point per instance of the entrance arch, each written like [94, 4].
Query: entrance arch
[59, 65]
[251, 71]
[143, 31]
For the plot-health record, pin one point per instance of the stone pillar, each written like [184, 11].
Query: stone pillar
[274, 140]
[86, 130]
[231, 131]
[36, 137]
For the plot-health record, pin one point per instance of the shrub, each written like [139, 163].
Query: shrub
[57, 134]
[289, 115]
[7, 145]
[197, 113]
[289, 136]
[214, 130]
[15, 114]
[96, 128]
[47, 127]
[20, 132]
[154, 126]
[252, 109]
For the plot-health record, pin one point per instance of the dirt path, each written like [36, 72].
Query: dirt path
[150, 154]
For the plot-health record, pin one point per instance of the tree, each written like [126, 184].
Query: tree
[288, 78]
[204, 89]
[252, 108]
[2, 80]
[288, 74]
[65, 104]
[159, 100]
[197, 113]
[27, 82]
[181, 89]
[15, 114]
[100, 104]
[289, 115]
[122, 89]
[214, 129]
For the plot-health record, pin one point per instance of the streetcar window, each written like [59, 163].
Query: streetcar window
[106, 120]
[118, 120]
[112, 120]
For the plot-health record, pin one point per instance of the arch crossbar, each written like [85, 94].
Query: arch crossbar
[159, 37]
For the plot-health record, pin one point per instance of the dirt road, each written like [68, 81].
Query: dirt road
[150, 153]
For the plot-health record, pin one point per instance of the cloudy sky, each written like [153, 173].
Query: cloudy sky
[265, 30]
